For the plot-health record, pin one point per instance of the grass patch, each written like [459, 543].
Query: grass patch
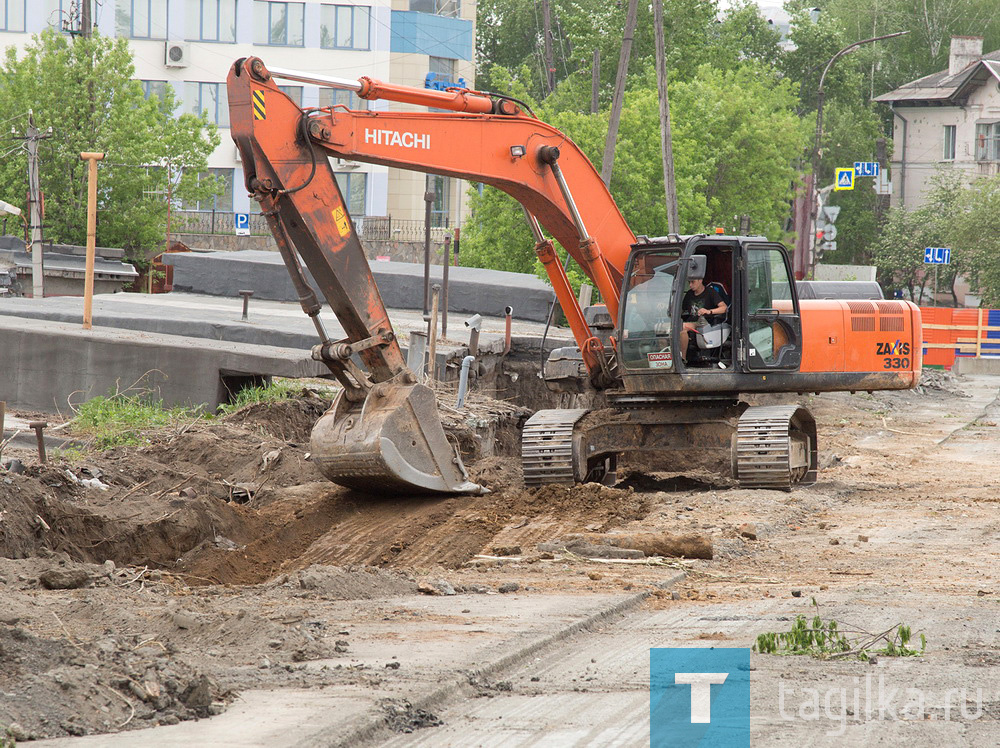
[119, 419]
[278, 390]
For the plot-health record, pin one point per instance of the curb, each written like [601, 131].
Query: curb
[378, 727]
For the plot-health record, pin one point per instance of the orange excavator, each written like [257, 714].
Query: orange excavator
[670, 380]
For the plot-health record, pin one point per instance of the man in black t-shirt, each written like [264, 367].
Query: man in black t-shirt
[699, 301]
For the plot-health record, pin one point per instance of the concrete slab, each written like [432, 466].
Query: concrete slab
[438, 650]
[273, 323]
[470, 290]
[46, 363]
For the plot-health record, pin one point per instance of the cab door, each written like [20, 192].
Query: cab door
[772, 328]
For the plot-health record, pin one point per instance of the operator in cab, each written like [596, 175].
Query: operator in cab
[700, 306]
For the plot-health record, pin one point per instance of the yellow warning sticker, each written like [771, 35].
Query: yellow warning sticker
[340, 218]
[259, 111]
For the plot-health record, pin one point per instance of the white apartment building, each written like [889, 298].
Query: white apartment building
[191, 44]
[947, 120]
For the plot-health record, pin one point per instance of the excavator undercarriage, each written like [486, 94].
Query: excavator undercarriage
[761, 446]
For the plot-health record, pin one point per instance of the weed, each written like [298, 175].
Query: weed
[284, 389]
[829, 640]
[119, 419]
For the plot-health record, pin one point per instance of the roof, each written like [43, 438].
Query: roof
[940, 88]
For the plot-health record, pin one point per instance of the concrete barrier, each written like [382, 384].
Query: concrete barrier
[471, 290]
[44, 364]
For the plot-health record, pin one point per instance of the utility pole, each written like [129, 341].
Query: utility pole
[550, 68]
[31, 138]
[86, 23]
[881, 201]
[595, 82]
[666, 142]
[608, 161]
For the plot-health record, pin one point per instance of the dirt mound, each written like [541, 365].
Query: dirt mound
[291, 420]
[55, 684]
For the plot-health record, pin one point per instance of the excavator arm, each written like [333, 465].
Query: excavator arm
[482, 138]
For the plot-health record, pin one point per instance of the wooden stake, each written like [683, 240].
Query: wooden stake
[88, 284]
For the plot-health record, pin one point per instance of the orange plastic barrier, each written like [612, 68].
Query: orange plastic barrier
[954, 333]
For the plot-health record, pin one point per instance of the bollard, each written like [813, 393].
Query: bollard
[246, 304]
[39, 427]
[509, 313]
[463, 380]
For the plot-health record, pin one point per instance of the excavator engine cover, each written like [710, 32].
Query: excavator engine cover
[390, 441]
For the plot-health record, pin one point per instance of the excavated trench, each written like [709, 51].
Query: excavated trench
[236, 500]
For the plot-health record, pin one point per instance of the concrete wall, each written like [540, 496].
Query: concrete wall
[46, 364]
[395, 250]
[471, 290]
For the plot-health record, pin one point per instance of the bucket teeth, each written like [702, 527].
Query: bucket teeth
[392, 442]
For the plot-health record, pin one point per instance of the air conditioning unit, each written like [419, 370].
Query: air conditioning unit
[343, 163]
[177, 54]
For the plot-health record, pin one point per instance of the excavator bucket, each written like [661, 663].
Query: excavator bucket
[391, 441]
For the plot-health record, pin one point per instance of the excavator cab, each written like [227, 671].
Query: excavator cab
[760, 330]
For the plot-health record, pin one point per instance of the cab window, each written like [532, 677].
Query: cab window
[645, 337]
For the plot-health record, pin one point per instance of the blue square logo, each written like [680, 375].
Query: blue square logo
[699, 697]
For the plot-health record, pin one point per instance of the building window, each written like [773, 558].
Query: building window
[949, 142]
[154, 88]
[332, 96]
[141, 19]
[344, 26]
[223, 201]
[354, 187]
[294, 93]
[448, 8]
[12, 15]
[988, 141]
[211, 21]
[209, 98]
[279, 24]
[441, 207]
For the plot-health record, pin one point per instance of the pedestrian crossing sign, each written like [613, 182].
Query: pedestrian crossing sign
[845, 179]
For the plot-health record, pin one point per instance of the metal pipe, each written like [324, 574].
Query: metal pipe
[463, 380]
[432, 351]
[508, 311]
[39, 427]
[428, 202]
[444, 286]
[475, 323]
[88, 283]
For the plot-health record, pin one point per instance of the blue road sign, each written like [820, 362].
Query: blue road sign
[844, 179]
[866, 168]
[937, 256]
[241, 223]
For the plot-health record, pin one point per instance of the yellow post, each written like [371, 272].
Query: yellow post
[88, 285]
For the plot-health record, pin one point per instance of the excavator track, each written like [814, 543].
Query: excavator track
[547, 447]
[775, 447]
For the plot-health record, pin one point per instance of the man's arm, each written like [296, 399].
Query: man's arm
[713, 297]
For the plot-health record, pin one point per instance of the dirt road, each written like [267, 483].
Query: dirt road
[296, 614]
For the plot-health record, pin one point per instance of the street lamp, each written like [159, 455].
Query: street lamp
[813, 190]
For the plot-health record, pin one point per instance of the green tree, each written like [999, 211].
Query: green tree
[975, 237]
[83, 89]
[899, 250]
[735, 136]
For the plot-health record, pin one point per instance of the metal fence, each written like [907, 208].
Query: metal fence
[371, 228]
